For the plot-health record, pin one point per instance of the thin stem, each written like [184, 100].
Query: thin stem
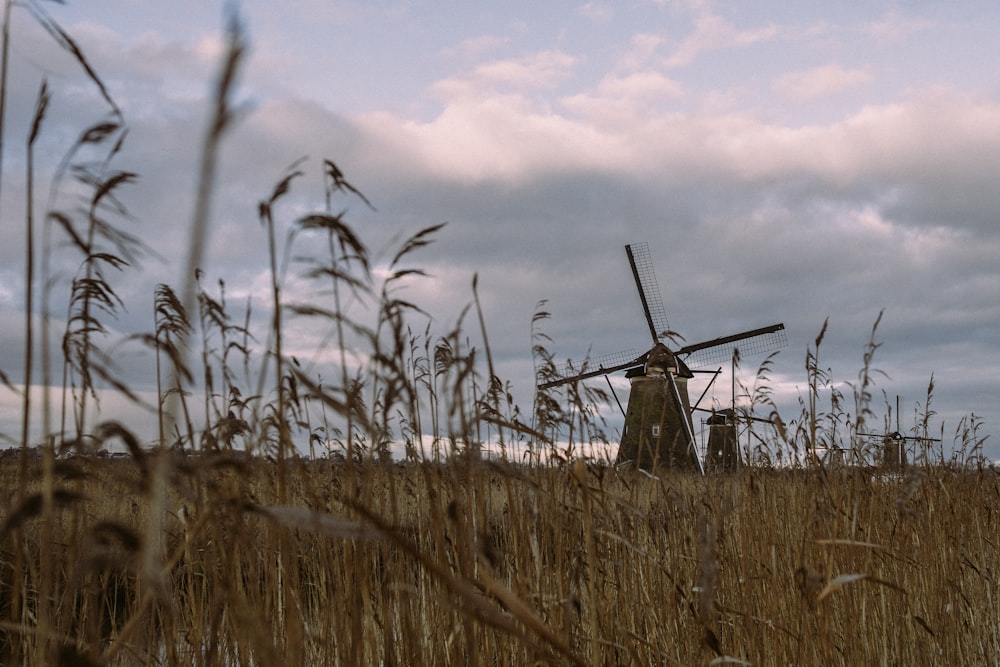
[4, 51]
[29, 271]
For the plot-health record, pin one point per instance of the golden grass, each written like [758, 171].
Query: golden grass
[490, 564]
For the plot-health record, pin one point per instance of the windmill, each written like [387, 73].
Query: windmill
[659, 429]
[893, 454]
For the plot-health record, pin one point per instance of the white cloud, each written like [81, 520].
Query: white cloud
[596, 11]
[475, 46]
[618, 101]
[639, 85]
[893, 26]
[496, 138]
[641, 51]
[533, 71]
[821, 81]
[691, 6]
[714, 33]
[618, 125]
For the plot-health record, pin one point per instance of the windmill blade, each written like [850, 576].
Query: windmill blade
[915, 438]
[756, 341]
[609, 363]
[649, 291]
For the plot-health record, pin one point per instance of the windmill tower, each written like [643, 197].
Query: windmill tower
[723, 452]
[893, 451]
[659, 430]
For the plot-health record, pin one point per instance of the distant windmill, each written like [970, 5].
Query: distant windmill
[893, 454]
[659, 430]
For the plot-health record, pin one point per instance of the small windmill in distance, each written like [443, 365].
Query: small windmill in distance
[893, 445]
[659, 430]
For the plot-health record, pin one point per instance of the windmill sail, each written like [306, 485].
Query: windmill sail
[756, 341]
[649, 291]
[605, 365]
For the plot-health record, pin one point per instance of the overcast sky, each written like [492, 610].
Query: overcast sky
[786, 162]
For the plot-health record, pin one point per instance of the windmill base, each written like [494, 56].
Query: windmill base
[893, 452]
[654, 435]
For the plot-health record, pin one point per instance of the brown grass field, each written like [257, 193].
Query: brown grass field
[498, 565]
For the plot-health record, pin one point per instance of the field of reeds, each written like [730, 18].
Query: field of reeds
[491, 563]
[378, 513]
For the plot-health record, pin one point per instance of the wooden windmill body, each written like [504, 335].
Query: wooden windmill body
[723, 452]
[659, 429]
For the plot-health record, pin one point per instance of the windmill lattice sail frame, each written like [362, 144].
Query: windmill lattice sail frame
[753, 342]
[649, 290]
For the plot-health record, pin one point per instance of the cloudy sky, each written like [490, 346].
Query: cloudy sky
[786, 162]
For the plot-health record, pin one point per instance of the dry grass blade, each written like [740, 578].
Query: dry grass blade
[67, 42]
[842, 580]
[32, 506]
[112, 429]
[4, 53]
[838, 583]
[41, 106]
[5, 380]
[850, 543]
[344, 235]
[514, 425]
[302, 518]
[29, 263]
[418, 240]
[107, 532]
[339, 182]
[221, 119]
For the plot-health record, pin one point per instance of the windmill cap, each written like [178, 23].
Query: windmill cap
[720, 417]
[661, 358]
